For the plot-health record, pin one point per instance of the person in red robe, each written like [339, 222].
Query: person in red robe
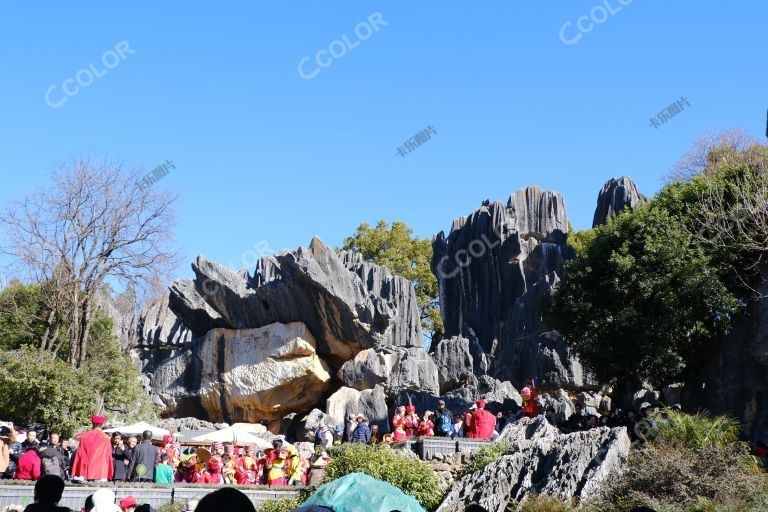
[93, 460]
[248, 470]
[398, 425]
[530, 406]
[411, 421]
[483, 422]
[426, 427]
[212, 475]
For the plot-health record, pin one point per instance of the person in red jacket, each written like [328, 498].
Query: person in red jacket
[93, 460]
[28, 467]
[483, 422]
[530, 406]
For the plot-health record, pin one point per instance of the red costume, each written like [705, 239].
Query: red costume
[530, 407]
[411, 421]
[28, 467]
[248, 470]
[93, 460]
[483, 423]
[398, 424]
[426, 428]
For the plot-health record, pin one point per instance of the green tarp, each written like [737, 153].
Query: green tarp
[358, 492]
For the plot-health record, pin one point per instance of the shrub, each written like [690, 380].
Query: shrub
[694, 431]
[671, 478]
[410, 475]
[544, 503]
[487, 454]
[281, 505]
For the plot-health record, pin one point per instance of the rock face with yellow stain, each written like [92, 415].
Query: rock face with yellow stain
[244, 374]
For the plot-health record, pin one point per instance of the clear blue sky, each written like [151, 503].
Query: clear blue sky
[265, 157]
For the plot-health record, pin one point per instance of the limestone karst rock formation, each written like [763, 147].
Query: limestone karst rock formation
[348, 305]
[616, 195]
[394, 368]
[493, 268]
[243, 375]
[541, 460]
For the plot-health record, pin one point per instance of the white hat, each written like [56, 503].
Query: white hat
[474, 406]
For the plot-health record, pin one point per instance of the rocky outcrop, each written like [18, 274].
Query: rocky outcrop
[493, 269]
[155, 325]
[242, 374]
[348, 304]
[395, 368]
[542, 461]
[616, 195]
[371, 403]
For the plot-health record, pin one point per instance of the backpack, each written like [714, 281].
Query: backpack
[51, 466]
[319, 436]
[444, 424]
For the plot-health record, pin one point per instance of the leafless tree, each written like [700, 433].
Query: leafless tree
[707, 152]
[93, 225]
[734, 215]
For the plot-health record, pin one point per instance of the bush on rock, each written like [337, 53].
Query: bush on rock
[410, 475]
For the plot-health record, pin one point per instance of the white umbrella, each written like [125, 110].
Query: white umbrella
[233, 435]
[138, 429]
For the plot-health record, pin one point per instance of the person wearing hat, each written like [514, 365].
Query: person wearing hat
[295, 467]
[426, 427]
[212, 475]
[362, 433]
[128, 504]
[398, 425]
[276, 458]
[248, 470]
[93, 460]
[483, 422]
[411, 421]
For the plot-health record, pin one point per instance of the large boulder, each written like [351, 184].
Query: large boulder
[241, 374]
[371, 403]
[616, 195]
[395, 368]
[542, 461]
[348, 304]
[459, 360]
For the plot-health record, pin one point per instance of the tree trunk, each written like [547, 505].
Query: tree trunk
[85, 331]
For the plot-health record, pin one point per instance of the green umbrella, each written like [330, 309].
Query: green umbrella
[358, 491]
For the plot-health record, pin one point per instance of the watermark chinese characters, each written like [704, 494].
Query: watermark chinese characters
[156, 174]
[669, 112]
[416, 141]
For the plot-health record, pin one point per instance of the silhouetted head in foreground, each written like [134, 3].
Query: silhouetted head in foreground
[474, 507]
[49, 489]
[228, 499]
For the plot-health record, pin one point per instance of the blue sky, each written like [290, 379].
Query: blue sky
[265, 158]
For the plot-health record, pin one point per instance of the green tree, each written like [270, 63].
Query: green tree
[19, 321]
[37, 387]
[642, 300]
[395, 247]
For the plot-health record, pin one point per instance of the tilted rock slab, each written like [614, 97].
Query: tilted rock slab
[542, 461]
[348, 304]
[243, 375]
[371, 403]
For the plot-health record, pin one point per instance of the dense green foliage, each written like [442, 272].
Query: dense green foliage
[652, 292]
[487, 454]
[38, 387]
[281, 505]
[55, 394]
[642, 299]
[543, 503]
[412, 476]
[405, 255]
[697, 431]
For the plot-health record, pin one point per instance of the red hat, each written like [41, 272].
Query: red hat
[480, 404]
[98, 420]
[167, 439]
[410, 408]
[213, 463]
[128, 501]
